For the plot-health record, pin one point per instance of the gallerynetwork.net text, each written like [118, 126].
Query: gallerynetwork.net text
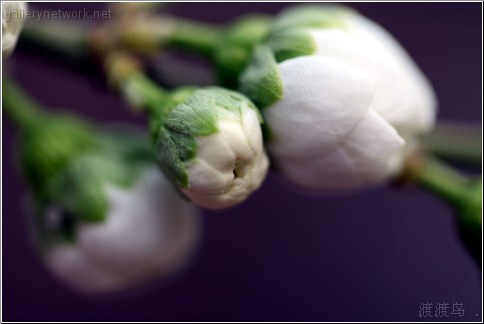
[39, 15]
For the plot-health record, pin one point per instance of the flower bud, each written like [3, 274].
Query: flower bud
[211, 146]
[106, 218]
[12, 21]
[149, 232]
[208, 141]
[340, 97]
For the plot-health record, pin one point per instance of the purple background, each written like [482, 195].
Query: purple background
[281, 256]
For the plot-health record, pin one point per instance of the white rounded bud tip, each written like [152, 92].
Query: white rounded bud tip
[230, 164]
[325, 132]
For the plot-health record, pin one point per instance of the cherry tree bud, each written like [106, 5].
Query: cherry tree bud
[149, 232]
[209, 140]
[341, 98]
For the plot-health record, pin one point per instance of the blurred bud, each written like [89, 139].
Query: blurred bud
[106, 218]
[149, 232]
[12, 21]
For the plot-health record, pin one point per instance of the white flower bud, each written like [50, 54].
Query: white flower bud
[211, 146]
[340, 96]
[208, 141]
[12, 21]
[326, 133]
[149, 232]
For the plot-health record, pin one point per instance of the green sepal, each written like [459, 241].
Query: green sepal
[116, 159]
[288, 38]
[48, 145]
[261, 81]
[291, 43]
[68, 163]
[233, 53]
[83, 186]
[79, 190]
[81, 193]
[199, 114]
[173, 149]
[312, 16]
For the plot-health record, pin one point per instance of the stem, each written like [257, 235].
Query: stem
[19, 107]
[126, 74]
[455, 141]
[440, 179]
[197, 37]
[463, 193]
[228, 47]
[67, 41]
[141, 33]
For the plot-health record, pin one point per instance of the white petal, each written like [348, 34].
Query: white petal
[369, 154]
[205, 180]
[403, 96]
[323, 100]
[325, 134]
[333, 170]
[375, 148]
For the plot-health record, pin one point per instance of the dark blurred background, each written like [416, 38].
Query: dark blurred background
[280, 256]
